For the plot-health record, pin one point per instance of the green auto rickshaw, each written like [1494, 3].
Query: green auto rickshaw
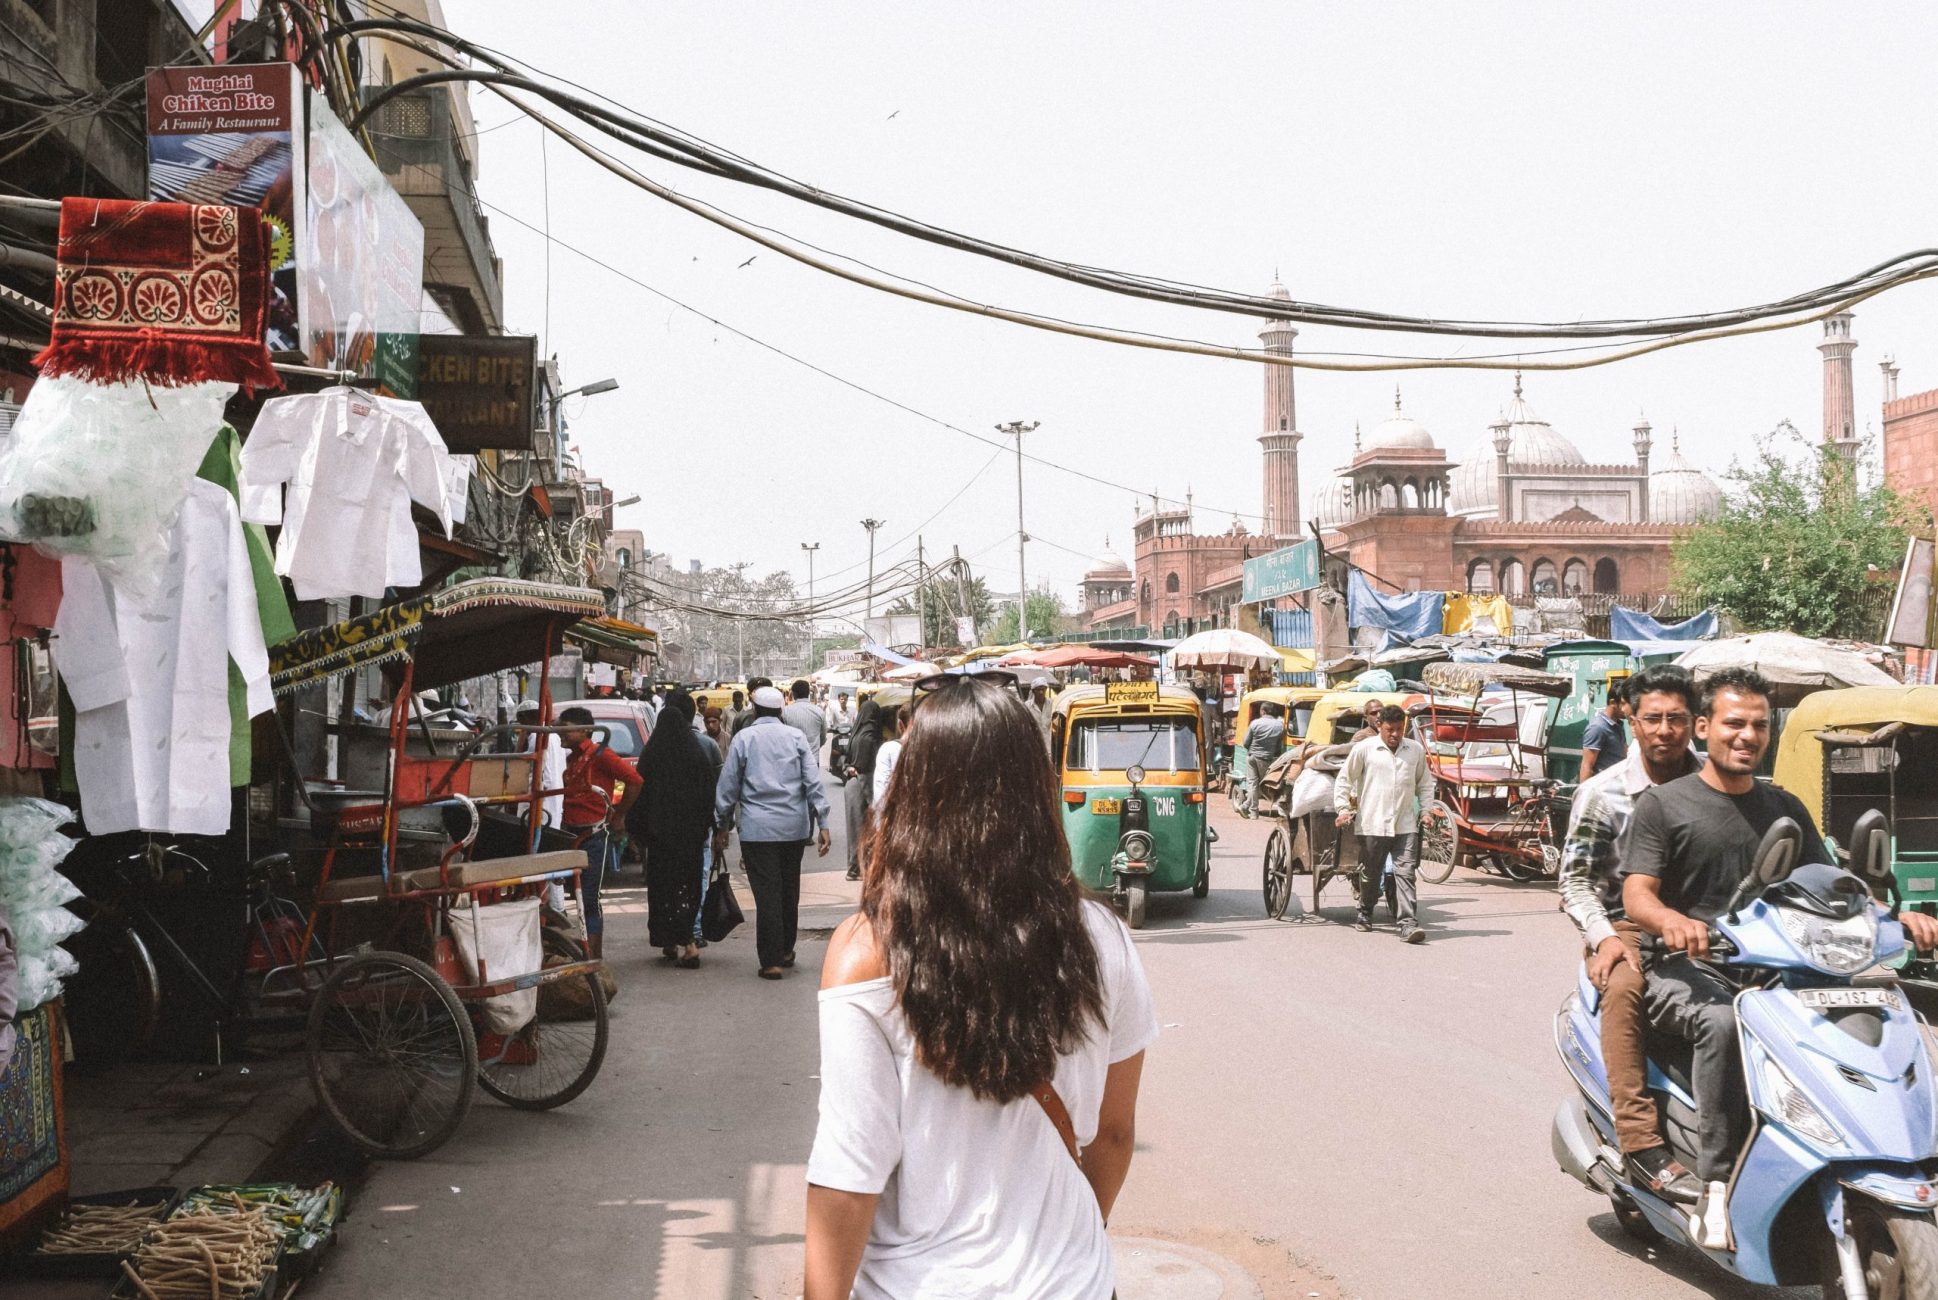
[1130, 756]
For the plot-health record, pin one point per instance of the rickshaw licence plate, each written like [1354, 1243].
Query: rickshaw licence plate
[1106, 807]
[1828, 999]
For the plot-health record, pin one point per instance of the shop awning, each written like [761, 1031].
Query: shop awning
[614, 641]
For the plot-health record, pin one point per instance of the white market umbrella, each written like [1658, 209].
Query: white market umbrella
[1227, 649]
[910, 672]
[1795, 665]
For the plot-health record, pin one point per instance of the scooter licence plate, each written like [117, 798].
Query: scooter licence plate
[1829, 999]
[1107, 807]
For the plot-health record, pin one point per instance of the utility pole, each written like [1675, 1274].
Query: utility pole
[807, 663]
[962, 591]
[871, 525]
[1016, 429]
[921, 591]
[740, 624]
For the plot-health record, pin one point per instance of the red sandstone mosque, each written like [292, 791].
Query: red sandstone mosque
[1519, 509]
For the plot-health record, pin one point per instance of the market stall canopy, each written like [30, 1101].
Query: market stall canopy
[468, 630]
[1226, 648]
[839, 675]
[614, 641]
[911, 670]
[1472, 679]
[1795, 665]
[1080, 656]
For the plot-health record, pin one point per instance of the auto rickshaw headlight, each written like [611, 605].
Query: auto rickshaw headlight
[1137, 846]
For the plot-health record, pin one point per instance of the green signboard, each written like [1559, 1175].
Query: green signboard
[1285, 572]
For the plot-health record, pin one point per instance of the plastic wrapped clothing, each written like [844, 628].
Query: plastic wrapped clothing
[150, 680]
[100, 470]
[33, 898]
[352, 463]
[1484, 615]
[9, 989]
[1311, 793]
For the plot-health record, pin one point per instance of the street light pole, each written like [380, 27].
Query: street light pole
[871, 525]
[558, 438]
[808, 662]
[1016, 429]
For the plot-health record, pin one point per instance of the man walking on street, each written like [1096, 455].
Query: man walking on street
[1604, 744]
[773, 781]
[1381, 793]
[592, 770]
[806, 718]
[1662, 701]
[1263, 741]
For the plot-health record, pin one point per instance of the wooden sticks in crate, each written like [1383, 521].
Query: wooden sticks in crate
[207, 1255]
[98, 1230]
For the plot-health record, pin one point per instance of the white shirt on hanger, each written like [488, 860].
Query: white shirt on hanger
[149, 676]
[352, 462]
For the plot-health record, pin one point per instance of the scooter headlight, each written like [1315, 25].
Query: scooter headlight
[1840, 947]
[1137, 846]
[1785, 1103]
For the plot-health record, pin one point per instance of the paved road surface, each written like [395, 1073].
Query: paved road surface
[1336, 1113]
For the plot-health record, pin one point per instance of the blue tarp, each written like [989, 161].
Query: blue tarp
[1411, 614]
[881, 651]
[1633, 625]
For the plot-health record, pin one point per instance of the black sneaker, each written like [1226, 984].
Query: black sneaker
[1363, 923]
[1657, 1170]
[1412, 934]
[854, 873]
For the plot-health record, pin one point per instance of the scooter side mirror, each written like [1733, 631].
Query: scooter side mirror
[1776, 854]
[1871, 846]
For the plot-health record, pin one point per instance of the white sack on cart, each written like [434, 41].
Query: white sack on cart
[507, 936]
[1311, 793]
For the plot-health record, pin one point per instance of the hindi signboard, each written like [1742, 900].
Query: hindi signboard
[1285, 572]
[1130, 693]
[479, 389]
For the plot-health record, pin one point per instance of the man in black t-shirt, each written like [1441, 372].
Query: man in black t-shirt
[1688, 846]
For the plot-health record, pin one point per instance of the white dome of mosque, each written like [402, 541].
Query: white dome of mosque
[1109, 563]
[1400, 431]
[1332, 505]
[1680, 493]
[1531, 441]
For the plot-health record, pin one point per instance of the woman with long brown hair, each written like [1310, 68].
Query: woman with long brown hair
[981, 1023]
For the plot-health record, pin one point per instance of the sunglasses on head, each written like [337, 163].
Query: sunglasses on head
[939, 681]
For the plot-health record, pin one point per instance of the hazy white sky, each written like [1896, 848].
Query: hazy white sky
[1530, 161]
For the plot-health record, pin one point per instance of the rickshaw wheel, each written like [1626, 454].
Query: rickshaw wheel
[555, 1057]
[1439, 843]
[391, 1054]
[1278, 875]
[1137, 897]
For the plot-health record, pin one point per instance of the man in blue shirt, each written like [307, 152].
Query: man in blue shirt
[774, 781]
[1605, 743]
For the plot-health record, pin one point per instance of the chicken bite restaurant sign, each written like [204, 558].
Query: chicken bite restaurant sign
[478, 389]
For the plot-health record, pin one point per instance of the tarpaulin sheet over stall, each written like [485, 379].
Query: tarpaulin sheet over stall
[1412, 614]
[615, 641]
[1634, 625]
[477, 627]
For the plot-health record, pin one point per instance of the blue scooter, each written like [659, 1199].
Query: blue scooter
[1838, 1179]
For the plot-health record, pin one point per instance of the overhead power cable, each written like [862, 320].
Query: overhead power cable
[684, 149]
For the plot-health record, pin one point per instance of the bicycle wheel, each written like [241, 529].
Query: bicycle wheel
[556, 1055]
[392, 1057]
[1439, 843]
[1278, 875]
[114, 1000]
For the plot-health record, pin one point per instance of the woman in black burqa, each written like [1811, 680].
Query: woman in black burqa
[672, 819]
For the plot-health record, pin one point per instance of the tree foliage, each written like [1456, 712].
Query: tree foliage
[1048, 618]
[769, 645]
[1797, 543]
[941, 600]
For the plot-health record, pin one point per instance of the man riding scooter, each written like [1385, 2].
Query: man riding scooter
[1690, 843]
[1662, 705]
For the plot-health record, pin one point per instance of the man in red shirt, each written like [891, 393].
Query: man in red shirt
[592, 772]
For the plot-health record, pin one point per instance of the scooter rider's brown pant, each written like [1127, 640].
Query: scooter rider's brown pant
[1623, 1053]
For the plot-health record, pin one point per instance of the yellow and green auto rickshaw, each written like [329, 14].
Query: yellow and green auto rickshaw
[1845, 752]
[1295, 701]
[1130, 756]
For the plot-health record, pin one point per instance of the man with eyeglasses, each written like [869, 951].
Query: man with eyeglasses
[1662, 706]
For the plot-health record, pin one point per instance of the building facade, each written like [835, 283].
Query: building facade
[1521, 511]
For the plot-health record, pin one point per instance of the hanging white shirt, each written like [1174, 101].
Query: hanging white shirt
[149, 676]
[352, 463]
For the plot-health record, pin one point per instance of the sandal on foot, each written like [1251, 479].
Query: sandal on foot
[770, 972]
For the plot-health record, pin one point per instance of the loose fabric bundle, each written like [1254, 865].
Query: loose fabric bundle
[168, 293]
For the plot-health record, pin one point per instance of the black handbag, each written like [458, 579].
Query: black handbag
[720, 914]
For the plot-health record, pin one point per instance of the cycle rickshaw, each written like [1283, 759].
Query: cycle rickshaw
[1494, 804]
[396, 966]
